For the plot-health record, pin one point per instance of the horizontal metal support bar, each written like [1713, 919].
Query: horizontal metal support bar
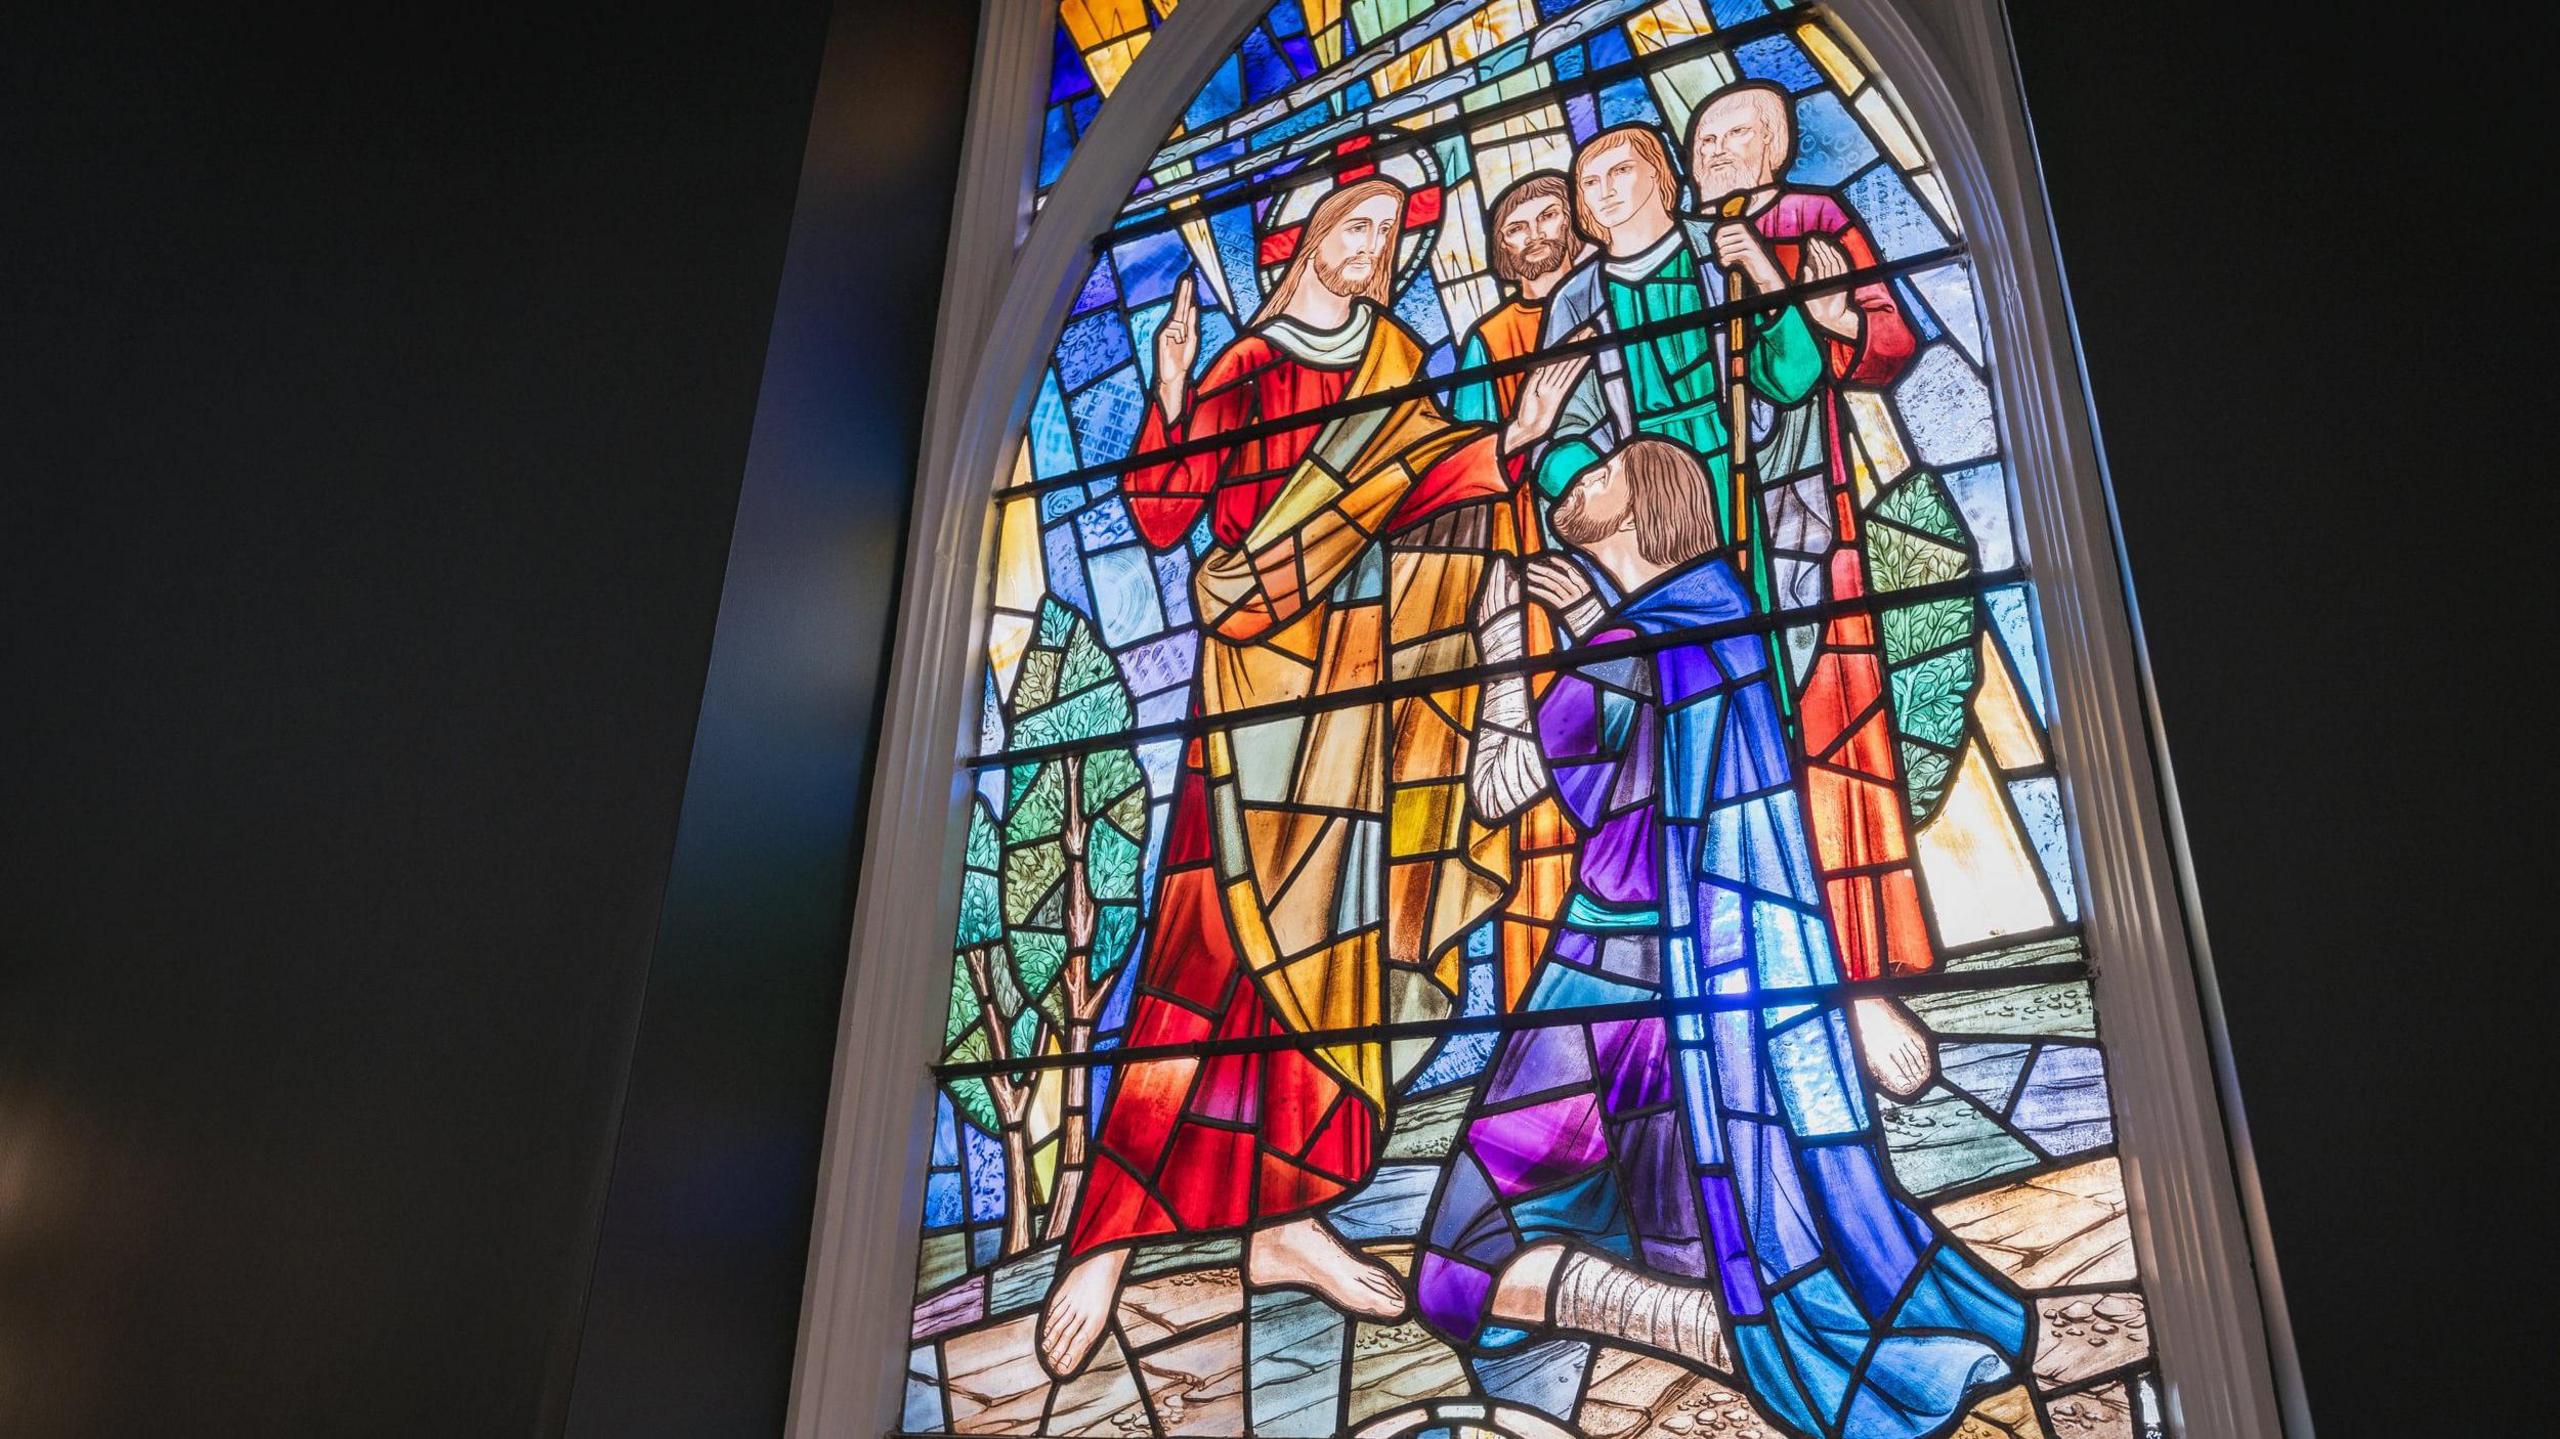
[1709, 317]
[1403, 687]
[1934, 982]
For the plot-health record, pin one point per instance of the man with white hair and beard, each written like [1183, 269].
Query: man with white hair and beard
[1741, 142]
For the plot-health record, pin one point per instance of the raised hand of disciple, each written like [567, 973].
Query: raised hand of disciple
[1541, 400]
[1832, 309]
[1177, 345]
[1560, 584]
[1739, 247]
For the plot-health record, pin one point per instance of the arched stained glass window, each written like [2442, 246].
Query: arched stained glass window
[1515, 875]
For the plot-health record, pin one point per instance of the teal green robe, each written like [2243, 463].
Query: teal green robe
[1672, 385]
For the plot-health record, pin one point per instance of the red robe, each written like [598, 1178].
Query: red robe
[1195, 1143]
[1852, 777]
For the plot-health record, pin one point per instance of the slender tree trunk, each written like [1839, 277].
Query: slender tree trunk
[1077, 1127]
[1013, 1104]
[1017, 1169]
[1084, 998]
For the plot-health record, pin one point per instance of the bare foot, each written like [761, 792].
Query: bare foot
[1897, 1049]
[1079, 1311]
[1303, 1254]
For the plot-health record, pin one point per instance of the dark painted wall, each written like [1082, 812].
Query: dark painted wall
[2311, 311]
[375, 411]
[377, 402]
[696, 1301]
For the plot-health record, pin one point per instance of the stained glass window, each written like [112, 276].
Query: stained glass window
[1516, 880]
[1096, 43]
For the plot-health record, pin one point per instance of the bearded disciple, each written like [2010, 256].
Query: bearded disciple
[1708, 1185]
[1740, 142]
[1534, 243]
[1340, 553]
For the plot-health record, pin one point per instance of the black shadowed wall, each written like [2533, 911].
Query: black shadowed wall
[377, 404]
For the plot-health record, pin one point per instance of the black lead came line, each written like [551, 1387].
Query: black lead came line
[2025, 976]
[1712, 315]
[1407, 686]
[1182, 212]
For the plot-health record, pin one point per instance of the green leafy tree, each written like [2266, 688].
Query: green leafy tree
[1915, 538]
[1049, 901]
[991, 1021]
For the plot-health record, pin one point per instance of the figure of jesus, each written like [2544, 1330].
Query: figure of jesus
[1741, 142]
[1708, 1183]
[1339, 553]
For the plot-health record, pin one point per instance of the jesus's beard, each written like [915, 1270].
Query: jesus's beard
[1574, 523]
[1338, 278]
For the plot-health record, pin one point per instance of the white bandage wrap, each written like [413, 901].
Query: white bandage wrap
[1600, 1297]
[1505, 772]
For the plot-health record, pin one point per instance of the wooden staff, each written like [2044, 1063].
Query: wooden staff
[1737, 369]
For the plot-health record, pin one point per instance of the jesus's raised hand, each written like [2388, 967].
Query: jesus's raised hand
[1177, 345]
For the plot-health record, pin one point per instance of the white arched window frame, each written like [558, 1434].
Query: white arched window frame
[2226, 1355]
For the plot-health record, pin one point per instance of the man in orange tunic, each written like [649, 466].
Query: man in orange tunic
[1535, 244]
[1319, 865]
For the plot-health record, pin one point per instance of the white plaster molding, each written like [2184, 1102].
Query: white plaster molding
[2197, 1226]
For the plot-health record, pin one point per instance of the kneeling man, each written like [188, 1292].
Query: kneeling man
[1699, 1173]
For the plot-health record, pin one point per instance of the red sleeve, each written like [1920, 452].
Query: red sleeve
[1165, 499]
[1884, 337]
[1476, 470]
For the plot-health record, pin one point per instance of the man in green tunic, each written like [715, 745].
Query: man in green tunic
[1655, 266]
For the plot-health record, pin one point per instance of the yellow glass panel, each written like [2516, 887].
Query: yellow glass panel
[1195, 234]
[1322, 17]
[1881, 117]
[1667, 24]
[1109, 62]
[2014, 744]
[1879, 458]
[1835, 62]
[1982, 882]
[1091, 22]
[1410, 69]
[1020, 579]
[1491, 28]
[1421, 820]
